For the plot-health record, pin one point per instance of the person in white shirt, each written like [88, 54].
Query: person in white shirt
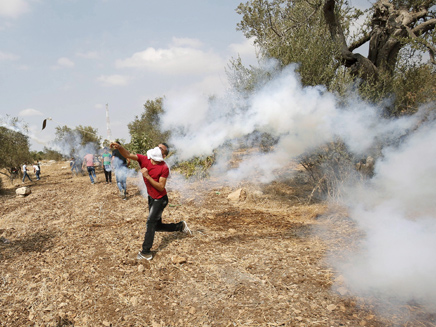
[37, 171]
[24, 168]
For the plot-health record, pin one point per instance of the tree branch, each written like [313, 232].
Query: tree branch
[271, 23]
[424, 27]
[360, 65]
[356, 44]
[336, 31]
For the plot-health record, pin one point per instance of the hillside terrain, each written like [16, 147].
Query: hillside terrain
[68, 257]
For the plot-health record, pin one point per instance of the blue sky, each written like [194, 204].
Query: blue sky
[67, 59]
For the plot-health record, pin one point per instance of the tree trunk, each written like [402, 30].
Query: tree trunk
[387, 29]
[391, 29]
[359, 65]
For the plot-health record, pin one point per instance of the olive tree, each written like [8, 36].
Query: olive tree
[15, 149]
[145, 130]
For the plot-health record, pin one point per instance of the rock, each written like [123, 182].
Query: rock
[141, 268]
[178, 259]
[23, 191]
[106, 323]
[366, 167]
[192, 310]
[4, 240]
[342, 291]
[238, 195]
[331, 307]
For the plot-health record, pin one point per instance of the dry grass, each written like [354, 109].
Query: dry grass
[71, 259]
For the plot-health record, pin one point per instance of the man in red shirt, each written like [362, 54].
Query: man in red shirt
[155, 173]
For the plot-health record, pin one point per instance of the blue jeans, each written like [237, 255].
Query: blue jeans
[37, 175]
[24, 176]
[91, 171]
[121, 176]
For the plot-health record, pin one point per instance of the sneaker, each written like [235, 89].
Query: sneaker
[185, 228]
[144, 256]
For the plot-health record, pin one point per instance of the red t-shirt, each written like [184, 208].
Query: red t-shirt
[155, 171]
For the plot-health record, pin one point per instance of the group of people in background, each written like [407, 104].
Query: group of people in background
[36, 169]
[111, 161]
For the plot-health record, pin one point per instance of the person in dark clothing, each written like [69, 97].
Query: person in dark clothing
[107, 165]
[120, 164]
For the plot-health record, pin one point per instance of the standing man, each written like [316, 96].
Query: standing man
[155, 173]
[89, 162]
[107, 165]
[25, 173]
[37, 171]
[120, 164]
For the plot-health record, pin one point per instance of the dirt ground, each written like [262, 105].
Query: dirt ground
[68, 258]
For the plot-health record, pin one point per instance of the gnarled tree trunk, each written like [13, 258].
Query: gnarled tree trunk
[391, 29]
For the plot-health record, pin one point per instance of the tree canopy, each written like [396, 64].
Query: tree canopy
[145, 130]
[14, 150]
[71, 140]
[322, 37]
[392, 26]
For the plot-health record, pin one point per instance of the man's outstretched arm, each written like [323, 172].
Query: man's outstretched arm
[126, 154]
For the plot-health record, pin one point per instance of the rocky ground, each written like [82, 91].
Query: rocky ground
[68, 257]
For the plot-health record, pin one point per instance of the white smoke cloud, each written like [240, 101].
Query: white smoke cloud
[398, 213]
[396, 210]
[21, 127]
[300, 118]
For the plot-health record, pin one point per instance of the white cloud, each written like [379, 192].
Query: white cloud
[7, 56]
[113, 80]
[13, 8]
[182, 57]
[88, 55]
[65, 62]
[193, 43]
[29, 112]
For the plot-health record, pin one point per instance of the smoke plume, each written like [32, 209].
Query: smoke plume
[396, 209]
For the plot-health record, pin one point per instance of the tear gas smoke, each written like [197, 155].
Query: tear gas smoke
[18, 126]
[396, 210]
[398, 213]
[300, 118]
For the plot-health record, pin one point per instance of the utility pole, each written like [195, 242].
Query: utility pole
[108, 125]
